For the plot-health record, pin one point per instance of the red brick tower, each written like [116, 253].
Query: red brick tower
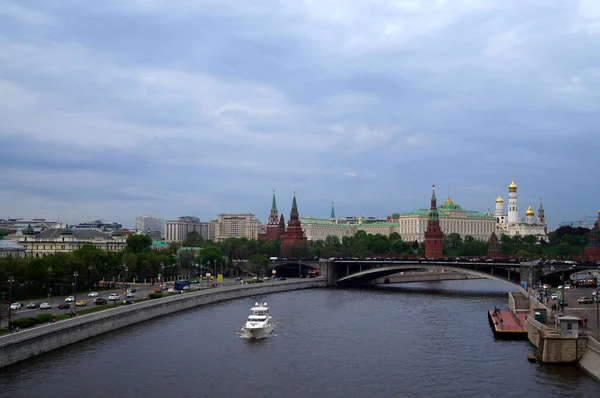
[591, 252]
[293, 234]
[434, 237]
[272, 231]
[494, 247]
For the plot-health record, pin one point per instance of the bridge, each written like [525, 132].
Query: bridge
[359, 272]
[353, 272]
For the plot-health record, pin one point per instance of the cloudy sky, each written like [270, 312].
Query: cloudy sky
[117, 108]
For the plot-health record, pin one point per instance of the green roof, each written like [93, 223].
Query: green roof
[450, 207]
[187, 249]
[159, 243]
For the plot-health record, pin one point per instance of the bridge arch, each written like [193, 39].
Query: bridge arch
[376, 273]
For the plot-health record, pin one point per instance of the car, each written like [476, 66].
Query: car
[69, 299]
[45, 306]
[554, 296]
[239, 278]
[266, 278]
[114, 297]
[585, 300]
[215, 284]
[170, 290]
[186, 287]
[33, 304]
[131, 289]
[282, 278]
[92, 294]
[130, 294]
[562, 303]
[80, 303]
[64, 306]
[100, 301]
[16, 306]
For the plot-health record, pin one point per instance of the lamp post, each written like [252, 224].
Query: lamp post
[299, 269]
[191, 270]
[75, 275]
[562, 307]
[125, 269]
[597, 309]
[49, 288]
[11, 280]
[90, 278]
[162, 273]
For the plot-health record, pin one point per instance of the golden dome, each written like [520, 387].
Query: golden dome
[529, 211]
[499, 200]
[448, 201]
[360, 218]
[512, 185]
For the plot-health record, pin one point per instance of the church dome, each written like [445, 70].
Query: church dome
[529, 211]
[28, 230]
[360, 218]
[512, 185]
[448, 201]
[499, 200]
[67, 231]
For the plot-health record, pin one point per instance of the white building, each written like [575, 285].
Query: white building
[145, 224]
[510, 224]
[11, 249]
[177, 230]
[236, 226]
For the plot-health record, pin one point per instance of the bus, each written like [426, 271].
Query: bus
[182, 284]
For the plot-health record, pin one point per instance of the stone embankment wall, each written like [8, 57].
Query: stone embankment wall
[31, 342]
[590, 361]
[408, 277]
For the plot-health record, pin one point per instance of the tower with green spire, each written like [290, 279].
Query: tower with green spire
[293, 234]
[272, 231]
[434, 237]
[332, 215]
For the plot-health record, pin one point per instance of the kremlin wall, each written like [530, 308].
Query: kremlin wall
[419, 225]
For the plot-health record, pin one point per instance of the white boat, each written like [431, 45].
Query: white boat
[259, 324]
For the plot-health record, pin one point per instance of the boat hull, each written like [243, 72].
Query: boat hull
[257, 332]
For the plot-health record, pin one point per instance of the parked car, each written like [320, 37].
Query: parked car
[92, 294]
[69, 299]
[100, 301]
[33, 304]
[45, 306]
[585, 300]
[80, 303]
[64, 306]
[16, 306]
[114, 297]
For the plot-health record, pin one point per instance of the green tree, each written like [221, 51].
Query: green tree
[193, 239]
[258, 263]
[138, 243]
[211, 257]
[563, 249]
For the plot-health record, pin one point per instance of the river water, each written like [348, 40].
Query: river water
[406, 340]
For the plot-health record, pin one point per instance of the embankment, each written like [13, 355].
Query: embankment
[31, 342]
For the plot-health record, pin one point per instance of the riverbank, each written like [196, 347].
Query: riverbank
[28, 343]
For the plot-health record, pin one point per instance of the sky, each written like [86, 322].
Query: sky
[118, 108]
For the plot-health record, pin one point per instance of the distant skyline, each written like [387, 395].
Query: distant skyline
[115, 109]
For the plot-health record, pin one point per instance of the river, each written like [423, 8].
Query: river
[405, 340]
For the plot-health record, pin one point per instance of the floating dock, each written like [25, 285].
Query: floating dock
[507, 325]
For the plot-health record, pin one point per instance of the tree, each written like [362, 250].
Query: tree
[138, 243]
[258, 262]
[210, 256]
[563, 249]
[193, 239]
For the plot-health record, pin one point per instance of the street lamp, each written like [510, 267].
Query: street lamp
[125, 276]
[299, 268]
[162, 273]
[597, 309]
[90, 278]
[11, 280]
[75, 275]
[49, 288]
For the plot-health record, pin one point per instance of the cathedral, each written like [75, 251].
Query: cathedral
[509, 223]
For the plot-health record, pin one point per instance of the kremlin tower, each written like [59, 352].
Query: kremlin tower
[592, 250]
[272, 231]
[434, 237]
[293, 234]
